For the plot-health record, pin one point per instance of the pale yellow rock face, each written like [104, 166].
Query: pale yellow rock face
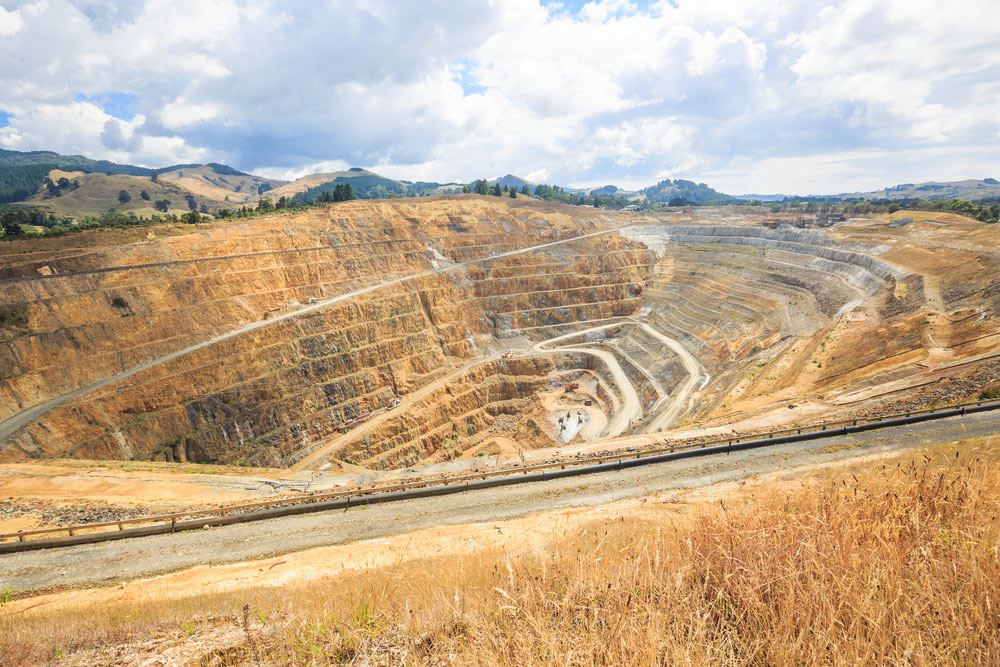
[261, 396]
[319, 321]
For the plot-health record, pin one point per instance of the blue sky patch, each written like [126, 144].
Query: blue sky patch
[4, 119]
[464, 77]
[574, 6]
[119, 105]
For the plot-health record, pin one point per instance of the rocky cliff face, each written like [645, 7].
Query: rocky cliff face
[262, 395]
[266, 341]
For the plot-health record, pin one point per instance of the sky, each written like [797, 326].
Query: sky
[788, 96]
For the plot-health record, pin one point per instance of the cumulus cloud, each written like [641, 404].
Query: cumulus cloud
[10, 22]
[611, 91]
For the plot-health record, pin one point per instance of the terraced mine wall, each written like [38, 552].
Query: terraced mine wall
[970, 294]
[734, 296]
[449, 416]
[263, 395]
[429, 290]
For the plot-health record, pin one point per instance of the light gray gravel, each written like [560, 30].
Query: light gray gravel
[112, 562]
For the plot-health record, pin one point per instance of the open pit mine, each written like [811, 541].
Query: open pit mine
[385, 335]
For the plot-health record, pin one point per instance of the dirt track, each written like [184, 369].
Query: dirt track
[109, 563]
[678, 402]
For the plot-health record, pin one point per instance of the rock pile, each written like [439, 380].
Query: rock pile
[51, 514]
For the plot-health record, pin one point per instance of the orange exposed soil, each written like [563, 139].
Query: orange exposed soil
[368, 335]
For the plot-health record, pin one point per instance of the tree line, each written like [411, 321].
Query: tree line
[17, 183]
[546, 192]
[985, 210]
[341, 192]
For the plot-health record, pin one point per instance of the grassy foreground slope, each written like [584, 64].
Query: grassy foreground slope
[891, 563]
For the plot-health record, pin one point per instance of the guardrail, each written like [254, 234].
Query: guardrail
[317, 502]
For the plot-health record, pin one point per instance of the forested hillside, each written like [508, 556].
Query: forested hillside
[17, 183]
[680, 192]
[69, 162]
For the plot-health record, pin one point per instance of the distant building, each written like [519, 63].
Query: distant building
[827, 219]
[631, 207]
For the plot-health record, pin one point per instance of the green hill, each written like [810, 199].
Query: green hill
[69, 163]
[515, 182]
[369, 185]
[970, 189]
[682, 193]
[19, 182]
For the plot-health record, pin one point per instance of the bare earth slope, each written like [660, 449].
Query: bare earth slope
[335, 362]
[387, 334]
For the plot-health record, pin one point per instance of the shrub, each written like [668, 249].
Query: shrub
[16, 315]
[990, 393]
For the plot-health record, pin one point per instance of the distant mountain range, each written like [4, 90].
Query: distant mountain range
[75, 185]
[970, 189]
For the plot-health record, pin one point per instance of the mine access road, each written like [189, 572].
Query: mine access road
[112, 562]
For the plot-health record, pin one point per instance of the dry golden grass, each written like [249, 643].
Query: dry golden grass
[893, 565]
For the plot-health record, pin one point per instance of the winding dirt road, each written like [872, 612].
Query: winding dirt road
[632, 410]
[629, 412]
[679, 399]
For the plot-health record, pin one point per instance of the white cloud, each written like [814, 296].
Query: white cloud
[614, 93]
[199, 63]
[10, 22]
[324, 167]
[183, 112]
[538, 176]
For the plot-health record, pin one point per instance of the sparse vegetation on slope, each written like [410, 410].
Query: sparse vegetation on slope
[893, 564]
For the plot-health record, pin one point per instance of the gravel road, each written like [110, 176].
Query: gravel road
[112, 562]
